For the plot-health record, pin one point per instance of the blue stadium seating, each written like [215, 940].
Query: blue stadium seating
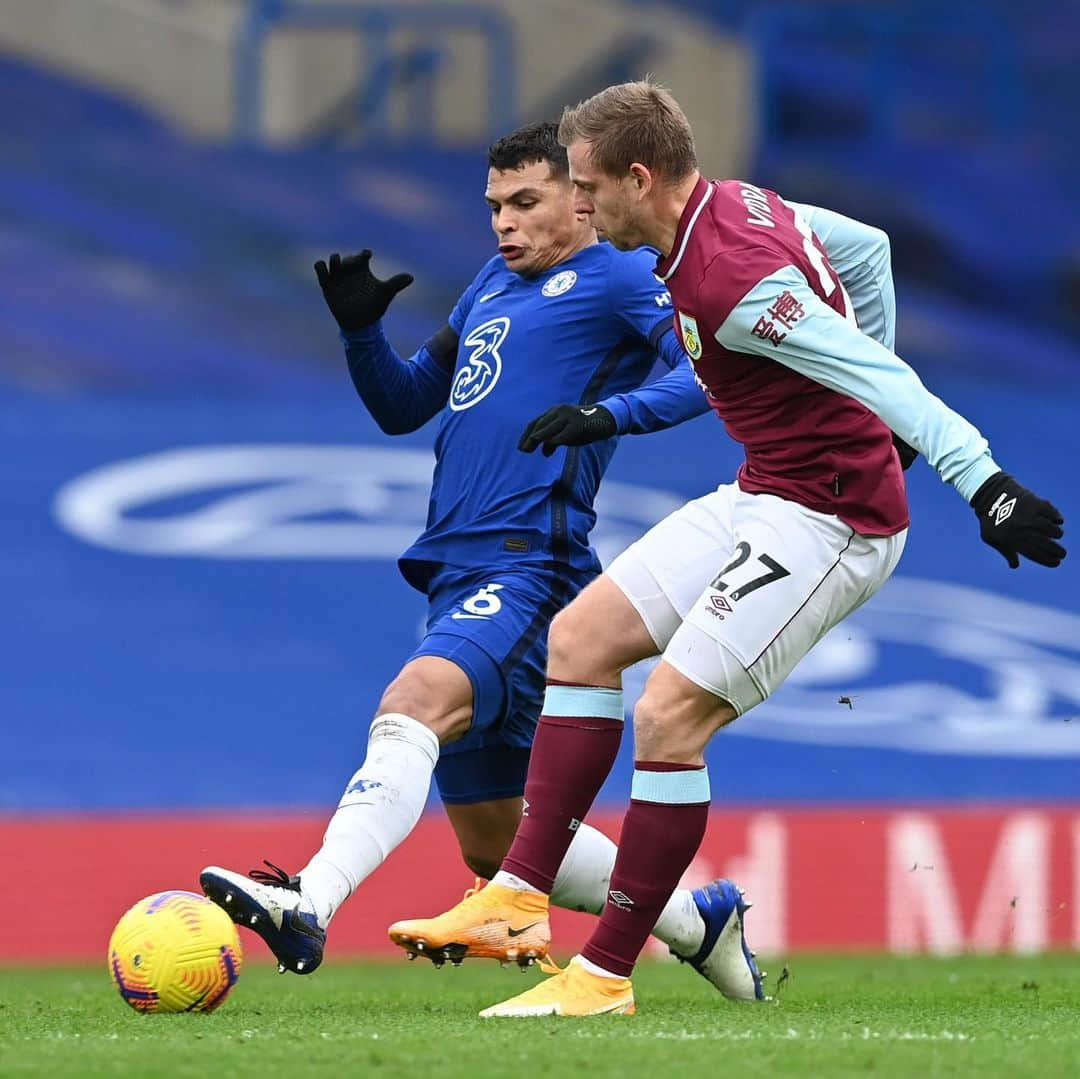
[952, 126]
[157, 294]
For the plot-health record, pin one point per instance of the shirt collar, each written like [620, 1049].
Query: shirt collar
[701, 194]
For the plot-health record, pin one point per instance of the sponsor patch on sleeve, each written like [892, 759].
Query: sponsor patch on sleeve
[779, 318]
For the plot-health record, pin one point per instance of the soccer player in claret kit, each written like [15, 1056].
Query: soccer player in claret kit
[556, 316]
[732, 589]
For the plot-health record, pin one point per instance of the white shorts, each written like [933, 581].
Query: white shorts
[736, 588]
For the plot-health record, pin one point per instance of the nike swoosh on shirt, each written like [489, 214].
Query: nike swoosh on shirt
[491, 295]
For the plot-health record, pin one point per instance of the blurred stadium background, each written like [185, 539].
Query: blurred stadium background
[200, 520]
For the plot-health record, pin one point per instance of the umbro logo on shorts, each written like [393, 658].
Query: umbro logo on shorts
[718, 605]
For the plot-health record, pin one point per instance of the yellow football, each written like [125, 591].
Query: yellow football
[175, 952]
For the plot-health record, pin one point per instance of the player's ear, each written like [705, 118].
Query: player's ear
[640, 178]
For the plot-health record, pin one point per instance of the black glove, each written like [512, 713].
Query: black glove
[568, 425]
[908, 454]
[355, 296]
[1017, 522]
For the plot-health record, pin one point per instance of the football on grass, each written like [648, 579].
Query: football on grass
[174, 952]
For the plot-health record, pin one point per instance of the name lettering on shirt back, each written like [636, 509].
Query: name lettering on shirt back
[757, 206]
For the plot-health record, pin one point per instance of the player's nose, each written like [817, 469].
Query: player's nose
[583, 206]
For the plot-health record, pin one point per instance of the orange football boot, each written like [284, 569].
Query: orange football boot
[493, 922]
[571, 992]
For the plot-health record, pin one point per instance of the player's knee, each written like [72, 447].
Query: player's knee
[424, 697]
[576, 652]
[561, 645]
[662, 737]
[675, 728]
[651, 732]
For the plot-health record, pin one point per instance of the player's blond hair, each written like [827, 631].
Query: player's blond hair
[633, 121]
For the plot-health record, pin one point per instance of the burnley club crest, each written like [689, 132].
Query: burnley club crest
[691, 337]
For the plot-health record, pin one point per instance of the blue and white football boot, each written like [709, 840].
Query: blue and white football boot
[272, 905]
[724, 959]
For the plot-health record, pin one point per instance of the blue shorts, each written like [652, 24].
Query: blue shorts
[493, 625]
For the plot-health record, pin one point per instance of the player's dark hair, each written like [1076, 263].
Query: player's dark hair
[529, 145]
[633, 122]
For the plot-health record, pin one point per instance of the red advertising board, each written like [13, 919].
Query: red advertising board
[904, 880]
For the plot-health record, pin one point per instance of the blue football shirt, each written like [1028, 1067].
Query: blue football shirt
[586, 331]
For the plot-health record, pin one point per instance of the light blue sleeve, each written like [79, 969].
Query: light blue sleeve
[860, 254]
[824, 346]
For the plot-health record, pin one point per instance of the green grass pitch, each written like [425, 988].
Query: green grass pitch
[834, 1017]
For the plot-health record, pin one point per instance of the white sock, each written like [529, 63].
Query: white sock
[379, 808]
[592, 968]
[582, 884]
[511, 880]
[583, 878]
[680, 925]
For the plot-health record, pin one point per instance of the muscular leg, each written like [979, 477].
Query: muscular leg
[675, 719]
[669, 808]
[484, 832]
[430, 703]
[435, 692]
[597, 637]
[590, 643]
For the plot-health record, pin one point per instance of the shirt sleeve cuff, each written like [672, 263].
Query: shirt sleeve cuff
[363, 338]
[969, 483]
[618, 407]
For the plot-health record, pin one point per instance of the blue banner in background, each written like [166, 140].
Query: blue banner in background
[200, 522]
[203, 609]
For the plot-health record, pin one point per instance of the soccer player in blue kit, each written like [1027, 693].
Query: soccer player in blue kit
[556, 316]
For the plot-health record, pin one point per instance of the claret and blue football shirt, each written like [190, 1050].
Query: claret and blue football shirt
[774, 338]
